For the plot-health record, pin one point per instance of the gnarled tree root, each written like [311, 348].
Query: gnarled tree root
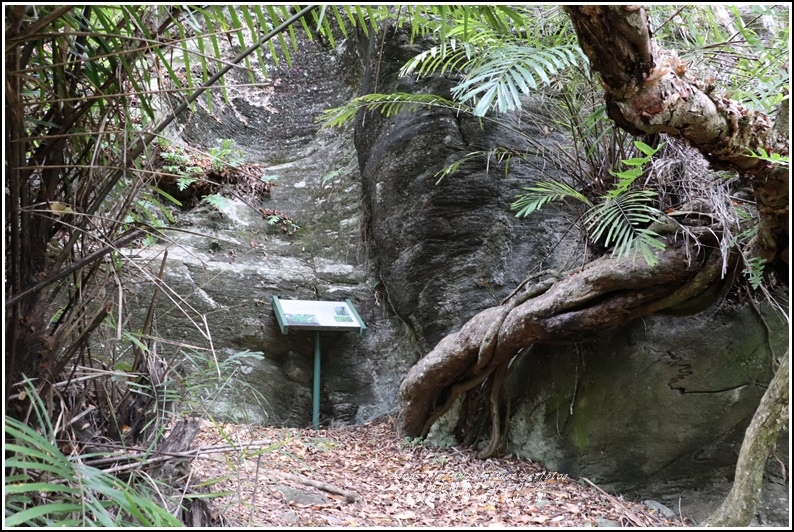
[603, 294]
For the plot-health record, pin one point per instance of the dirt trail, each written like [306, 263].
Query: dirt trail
[365, 476]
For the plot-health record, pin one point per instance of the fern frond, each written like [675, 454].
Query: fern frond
[621, 222]
[217, 201]
[754, 271]
[542, 193]
[388, 104]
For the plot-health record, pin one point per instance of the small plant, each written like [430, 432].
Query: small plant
[217, 201]
[175, 159]
[225, 154]
[277, 218]
[45, 488]
[620, 220]
[189, 176]
[441, 459]
[754, 271]
[333, 174]
[442, 439]
[179, 167]
[412, 442]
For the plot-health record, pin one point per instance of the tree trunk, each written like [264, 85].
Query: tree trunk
[739, 506]
[648, 91]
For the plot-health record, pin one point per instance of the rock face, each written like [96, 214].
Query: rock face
[224, 267]
[662, 398]
[450, 247]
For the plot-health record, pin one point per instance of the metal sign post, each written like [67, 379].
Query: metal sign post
[316, 387]
[317, 316]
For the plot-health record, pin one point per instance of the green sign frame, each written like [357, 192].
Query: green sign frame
[296, 314]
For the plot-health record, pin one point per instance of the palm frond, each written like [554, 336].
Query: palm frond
[453, 167]
[448, 57]
[445, 20]
[511, 71]
[388, 104]
[621, 222]
[542, 193]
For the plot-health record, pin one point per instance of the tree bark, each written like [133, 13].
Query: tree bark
[648, 91]
[602, 294]
[739, 506]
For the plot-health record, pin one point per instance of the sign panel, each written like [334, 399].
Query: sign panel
[317, 315]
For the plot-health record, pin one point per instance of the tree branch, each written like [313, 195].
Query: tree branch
[648, 91]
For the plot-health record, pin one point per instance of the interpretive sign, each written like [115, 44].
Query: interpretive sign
[317, 315]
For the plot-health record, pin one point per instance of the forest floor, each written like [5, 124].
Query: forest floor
[364, 475]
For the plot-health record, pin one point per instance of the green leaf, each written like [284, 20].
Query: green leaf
[754, 271]
[388, 104]
[183, 182]
[542, 193]
[217, 201]
[31, 515]
[208, 20]
[619, 223]
[246, 10]
[132, 338]
[636, 161]
[501, 76]
[647, 150]
[162, 208]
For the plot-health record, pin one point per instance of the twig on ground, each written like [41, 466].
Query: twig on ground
[256, 485]
[330, 488]
[626, 512]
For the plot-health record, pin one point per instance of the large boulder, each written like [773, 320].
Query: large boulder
[662, 398]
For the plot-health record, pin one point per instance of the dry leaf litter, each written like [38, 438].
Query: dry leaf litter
[365, 475]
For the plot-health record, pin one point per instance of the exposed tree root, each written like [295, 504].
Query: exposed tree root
[605, 293]
[496, 420]
[456, 391]
[488, 346]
